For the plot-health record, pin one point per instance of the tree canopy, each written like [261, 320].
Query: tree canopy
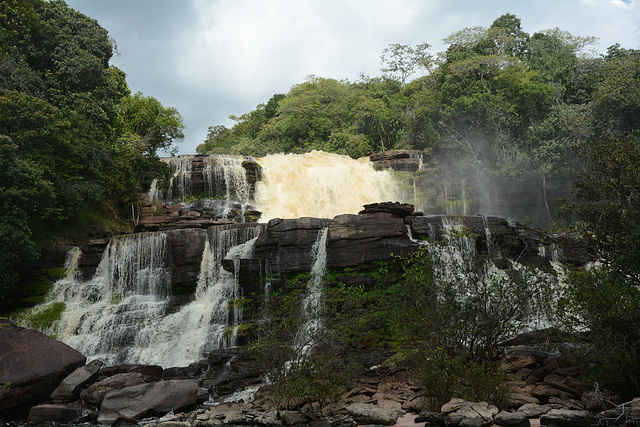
[497, 99]
[75, 145]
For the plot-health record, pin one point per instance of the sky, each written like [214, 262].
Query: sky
[215, 58]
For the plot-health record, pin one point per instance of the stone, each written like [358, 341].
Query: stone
[519, 396]
[69, 388]
[291, 418]
[519, 359]
[32, 365]
[568, 418]
[533, 410]
[56, 413]
[565, 383]
[146, 400]
[429, 417]
[371, 414]
[511, 419]
[401, 210]
[287, 243]
[95, 392]
[361, 239]
[153, 372]
[463, 413]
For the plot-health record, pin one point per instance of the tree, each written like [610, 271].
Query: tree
[605, 301]
[150, 126]
[401, 60]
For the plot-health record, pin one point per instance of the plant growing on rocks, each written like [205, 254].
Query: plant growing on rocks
[453, 319]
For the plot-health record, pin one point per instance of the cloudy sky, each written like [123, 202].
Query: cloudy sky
[215, 58]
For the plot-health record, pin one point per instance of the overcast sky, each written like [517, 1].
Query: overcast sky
[214, 58]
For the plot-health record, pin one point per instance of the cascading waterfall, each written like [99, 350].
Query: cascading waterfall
[119, 316]
[225, 177]
[319, 184]
[211, 320]
[312, 303]
[453, 262]
[122, 302]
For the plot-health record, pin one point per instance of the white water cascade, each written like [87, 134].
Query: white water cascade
[319, 184]
[312, 303]
[121, 304]
[119, 316]
[224, 177]
[211, 320]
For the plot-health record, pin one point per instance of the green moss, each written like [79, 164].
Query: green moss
[43, 318]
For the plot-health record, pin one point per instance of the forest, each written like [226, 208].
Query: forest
[77, 147]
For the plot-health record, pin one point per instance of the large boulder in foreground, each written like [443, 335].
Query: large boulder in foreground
[32, 365]
[147, 400]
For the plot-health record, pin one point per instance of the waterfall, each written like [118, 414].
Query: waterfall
[212, 319]
[126, 296]
[225, 177]
[312, 304]
[120, 316]
[319, 184]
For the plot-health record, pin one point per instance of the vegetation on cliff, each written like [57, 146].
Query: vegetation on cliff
[76, 147]
[498, 99]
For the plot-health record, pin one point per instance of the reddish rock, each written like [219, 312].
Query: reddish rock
[32, 365]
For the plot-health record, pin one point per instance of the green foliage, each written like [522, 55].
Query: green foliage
[44, 317]
[302, 367]
[76, 148]
[605, 301]
[453, 316]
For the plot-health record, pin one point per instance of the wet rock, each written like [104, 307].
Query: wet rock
[431, 418]
[56, 413]
[32, 365]
[360, 239]
[146, 400]
[70, 387]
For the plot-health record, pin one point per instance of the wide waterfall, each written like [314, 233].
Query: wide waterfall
[120, 315]
[319, 184]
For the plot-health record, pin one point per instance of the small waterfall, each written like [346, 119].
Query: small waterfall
[225, 177]
[319, 184]
[212, 319]
[180, 187]
[312, 304]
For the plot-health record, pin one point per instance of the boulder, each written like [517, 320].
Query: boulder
[459, 412]
[96, 392]
[370, 414]
[146, 400]
[56, 413]
[287, 243]
[519, 359]
[400, 210]
[533, 410]
[69, 388]
[568, 418]
[511, 419]
[32, 365]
